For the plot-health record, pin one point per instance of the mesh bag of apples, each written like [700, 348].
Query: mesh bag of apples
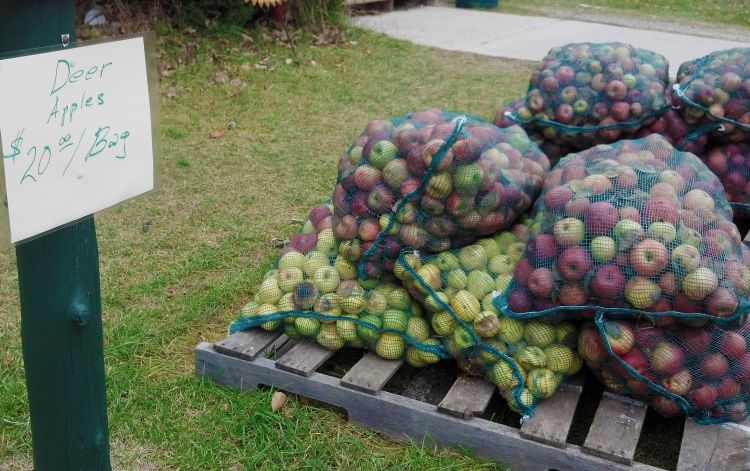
[731, 163]
[702, 372]
[527, 360]
[593, 93]
[636, 229]
[431, 181]
[313, 291]
[715, 90]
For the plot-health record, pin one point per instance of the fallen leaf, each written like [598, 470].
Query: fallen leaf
[221, 77]
[167, 73]
[171, 94]
[231, 125]
[313, 63]
[278, 400]
[237, 82]
[216, 134]
[288, 61]
[262, 64]
[279, 243]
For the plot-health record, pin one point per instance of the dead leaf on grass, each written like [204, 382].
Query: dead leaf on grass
[263, 65]
[171, 94]
[279, 243]
[237, 82]
[216, 134]
[231, 125]
[221, 77]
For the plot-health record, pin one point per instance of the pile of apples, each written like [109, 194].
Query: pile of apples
[457, 289]
[716, 88]
[314, 292]
[589, 93]
[405, 181]
[636, 228]
[731, 163]
[706, 367]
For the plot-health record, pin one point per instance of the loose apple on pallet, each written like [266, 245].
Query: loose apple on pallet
[715, 90]
[314, 291]
[431, 181]
[702, 372]
[526, 360]
[586, 94]
[634, 228]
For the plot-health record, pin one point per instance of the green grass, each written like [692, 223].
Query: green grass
[720, 12]
[176, 265]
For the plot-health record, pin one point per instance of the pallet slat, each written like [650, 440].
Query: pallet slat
[247, 344]
[468, 397]
[698, 443]
[616, 428]
[551, 422]
[304, 358]
[370, 373]
[732, 452]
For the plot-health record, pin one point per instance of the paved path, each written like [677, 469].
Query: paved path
[527, 37]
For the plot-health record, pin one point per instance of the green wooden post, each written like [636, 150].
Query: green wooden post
[58, 278]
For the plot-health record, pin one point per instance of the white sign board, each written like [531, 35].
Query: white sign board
[75, 126]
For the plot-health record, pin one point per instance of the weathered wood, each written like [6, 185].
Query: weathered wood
[406, 419]
[698, 443]
[553, 417]
[304, 358]
[370, 373]
[616, 428]
[247, 344]
[732, 452]
[469, 396]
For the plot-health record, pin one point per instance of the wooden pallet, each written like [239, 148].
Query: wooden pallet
[240, 361]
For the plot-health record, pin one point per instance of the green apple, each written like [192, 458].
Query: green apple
[413, 357]
[568, 232]
[399, 298]
[542, 382]
[402, 265]
[463, 339]
[273, 273]
[395, 319]
[314, 260]
[472, 257]
[329, 304]
[603, 248]
[523, 403]
[286, 303]
[326, 279]
[504, 376]
[346, 269]
[443, 323]
[327, 244]
[430, 276]
[515, 251]
[502, 282]
[539, 334]
[627, 234]
[530, 357]
[390, 346]
[567, 334]
[699, 283]
[264, 310]
[328, 337]
[488, 304]
[368, 329]
[347, 330]
[376, 302]
[486, 324]
[292, 259]
[436, 301]
[308, 327]
[559, 358]
[250, 308]
[501, 265]
[428, 355]
[510, 330]
[289, 277]
[308, 227]
[291, 330]
[685, 258]
[355, 155]
[418, 329]
[456, 279]
[489, 356]
[468, 178]
[662, 231]
[269, 291]
[382, 152]
[465, 305]
[479, 283]
[385, 220]
[689, 236]
[446, 261]
[416, 309]
[490, 247]
[504, 239]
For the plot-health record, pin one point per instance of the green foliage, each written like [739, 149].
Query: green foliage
[225, 12]
[316, 13]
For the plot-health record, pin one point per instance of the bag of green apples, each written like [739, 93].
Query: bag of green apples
[527, 360]
[313, 291]
[637, 229]
[701, 372]
[594, 93]
[431, 181]
[714, 91]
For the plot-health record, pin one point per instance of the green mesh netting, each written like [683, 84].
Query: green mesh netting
[701, 372]
[593, 93]
[636, 229]
[715, 91]
[431, 181]
[314, 291]
[731, 163]
[527, 360]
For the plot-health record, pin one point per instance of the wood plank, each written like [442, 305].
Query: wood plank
[370, 373]
[304, 358]
[406, 419]
[698, 443]
[616, 428]
[553, 417]
[732, 452]
[469, 396]
[247, 344]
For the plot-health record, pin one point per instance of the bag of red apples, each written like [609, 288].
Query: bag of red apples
[731, 163]
[714, 92]
[431, 181]
[594, 93]
[701, 372]
[635, 229]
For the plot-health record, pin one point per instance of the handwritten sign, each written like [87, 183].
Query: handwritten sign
[76, 132]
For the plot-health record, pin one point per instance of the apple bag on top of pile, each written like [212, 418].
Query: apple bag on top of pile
[585, 94]
[313, 291]
[714, 92]
[526, 360]
[431, 181]
[635, 229]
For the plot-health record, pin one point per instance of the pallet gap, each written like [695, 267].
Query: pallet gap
[341, 362]
[429, 384]
[586, 409]
[659, 444]
[499, 412]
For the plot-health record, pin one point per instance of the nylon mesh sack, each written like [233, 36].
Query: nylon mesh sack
[313, 291]
[594, 93]
[635, 228]
[701, 372]
[431, 181]
[527, 360]
[714, 91]
[731, 163]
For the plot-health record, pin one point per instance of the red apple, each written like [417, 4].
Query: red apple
[714, 366]
[574, 263]
[667, 358]
[345, 227]
[695, 341]
[600, 217]
[728, 389]
[665, 406]
[541, 282]
[733, 345]
[678, 383]
[303, 242]
[522, 271]
[668, 284]
[519, 301]
[572, 294]
[608, 282]
[591, 347]
[722, 303]
[619, 335]
[556, 198]
[660, 209]
[703, 397]
[368, 229]
[366, 177]
[649, 257]
[541, 249]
